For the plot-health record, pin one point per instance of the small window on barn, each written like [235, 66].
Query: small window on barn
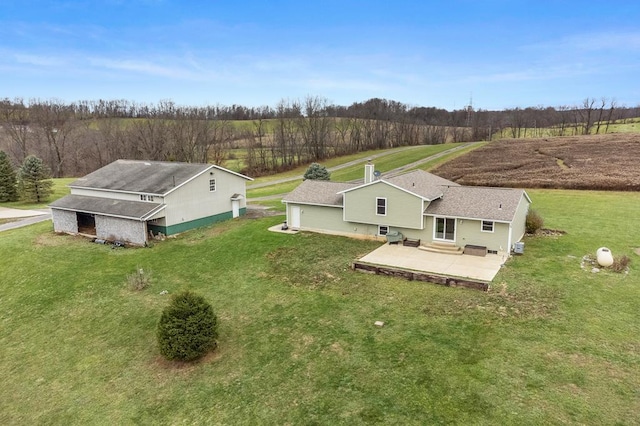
[143, 197]
[212, 185]
[487, 226]
[381, 206]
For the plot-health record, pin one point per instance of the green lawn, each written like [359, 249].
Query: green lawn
[388, 162]
[550, 344]
[392, 161]
[332, 162]
[60, 189]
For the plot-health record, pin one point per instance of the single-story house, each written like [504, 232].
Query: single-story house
[129, 199]
[419, 205]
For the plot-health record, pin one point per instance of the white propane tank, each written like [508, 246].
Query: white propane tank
[604, 257]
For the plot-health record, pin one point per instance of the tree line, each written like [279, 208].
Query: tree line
[76, 138]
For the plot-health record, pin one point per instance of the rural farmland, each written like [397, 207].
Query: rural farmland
[550, 343]
[607, 162]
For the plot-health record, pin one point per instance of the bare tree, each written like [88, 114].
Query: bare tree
[586, 115]
[56, 126]
[15, 120]
[603, 103]
[612, 107]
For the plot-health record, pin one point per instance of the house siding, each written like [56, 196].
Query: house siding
[518, 226]
[469, 232]
[194, 201]
[329, 220]
[403, 209]
[114, 195]
[192, 224]
[64, 221]
[113, 228]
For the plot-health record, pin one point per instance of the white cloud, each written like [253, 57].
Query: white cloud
[592, 42]
[143, 67]
[38, 60]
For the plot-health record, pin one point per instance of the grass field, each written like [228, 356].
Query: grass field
[631, 125]
[60, 189]
[385, 163]
[550, 344]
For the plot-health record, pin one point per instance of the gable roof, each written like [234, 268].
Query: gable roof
[424, 184]
[318, 192]
[137, 210]
[149, 177]
[418, 182]
[473, 202]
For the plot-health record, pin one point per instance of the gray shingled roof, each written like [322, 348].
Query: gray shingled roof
[105, 206]
[318, 192]
[498, 204]
[422, 183]
[150, 177]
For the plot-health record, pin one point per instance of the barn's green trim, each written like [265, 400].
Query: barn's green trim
[197, 223]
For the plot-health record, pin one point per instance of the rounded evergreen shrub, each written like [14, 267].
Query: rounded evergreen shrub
[188, 328]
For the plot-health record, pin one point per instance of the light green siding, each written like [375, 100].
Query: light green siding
[428, 229]
[321, 218]
[469, 232]
[330, 220]
[519, 221]
[403, 209]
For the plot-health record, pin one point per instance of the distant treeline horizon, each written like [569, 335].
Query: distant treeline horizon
[78, 137]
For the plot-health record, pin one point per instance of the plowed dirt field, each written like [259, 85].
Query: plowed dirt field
[599, 162]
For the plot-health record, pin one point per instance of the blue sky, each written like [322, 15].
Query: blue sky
[429, 53]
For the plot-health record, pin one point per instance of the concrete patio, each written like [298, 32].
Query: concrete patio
[449, 265]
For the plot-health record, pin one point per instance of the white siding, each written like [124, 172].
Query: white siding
[194, 200]
[113, 195]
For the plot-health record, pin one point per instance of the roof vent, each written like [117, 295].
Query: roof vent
[500, 207]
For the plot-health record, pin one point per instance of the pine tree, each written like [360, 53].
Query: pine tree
[8, 188]
[317, 172]
[188, 328]
[34, 180]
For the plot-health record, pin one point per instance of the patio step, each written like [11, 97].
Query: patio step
[444, 248]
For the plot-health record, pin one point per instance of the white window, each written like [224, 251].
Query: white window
[383, 230]
[212, 185]
[381, 206]
[487, 226]
[143, 197]
[150, 197]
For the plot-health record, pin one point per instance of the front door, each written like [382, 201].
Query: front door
[295, 217]
[235, 208]
[445, 229]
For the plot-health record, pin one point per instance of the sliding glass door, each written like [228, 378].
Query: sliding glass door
[445, 229]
